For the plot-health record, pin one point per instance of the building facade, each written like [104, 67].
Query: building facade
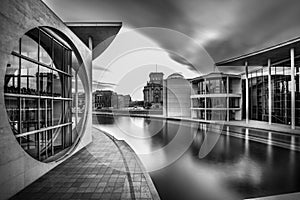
[272, 92]
[109, 99]
[280, 95]
[43, 62]
[217, 96]
[176, 96]
[153, 91]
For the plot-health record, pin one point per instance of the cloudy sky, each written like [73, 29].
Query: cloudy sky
[223, 28]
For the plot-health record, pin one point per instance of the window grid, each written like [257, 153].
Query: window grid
[38, 96]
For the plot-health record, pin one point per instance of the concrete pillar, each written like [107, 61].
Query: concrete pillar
[90, 43]
[269, 91]
[192, 111]
[76, 98]
[293, 103]
[91, 70]
[205, 105]
[227, 90]
[247, 92]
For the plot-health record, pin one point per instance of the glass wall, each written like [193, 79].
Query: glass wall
[297, 120]
[281, 95]
[38, 94]
[281, 92]
[216, 86]
[258, 94]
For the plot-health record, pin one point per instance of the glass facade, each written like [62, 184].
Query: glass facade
[258, 94]
[38, 94]
[214, 101]
[281, 95]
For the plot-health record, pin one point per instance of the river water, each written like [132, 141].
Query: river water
[198, 161]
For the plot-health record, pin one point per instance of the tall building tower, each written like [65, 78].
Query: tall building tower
[153, 91]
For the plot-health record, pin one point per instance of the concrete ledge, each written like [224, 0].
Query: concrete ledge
[279, 128]
[290, 196]
[150, 184]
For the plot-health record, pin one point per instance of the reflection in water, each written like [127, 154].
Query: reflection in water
[236, 167]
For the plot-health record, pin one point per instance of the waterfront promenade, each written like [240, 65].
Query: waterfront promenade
[105, 169]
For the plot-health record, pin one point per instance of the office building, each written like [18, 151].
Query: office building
[217, 96]
[271, 91]
[41, 59]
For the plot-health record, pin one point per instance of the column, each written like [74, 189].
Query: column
[293, 105]
[227, 90]
[269, 91]
[91, 70]
[76, 98]
[90, 43]
[247, 92]
[192, 111]
[205, 101]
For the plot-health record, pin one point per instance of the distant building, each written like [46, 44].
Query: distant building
[127, 100]
[176, 96]
[81, 100]
[96, 99]
[153, 91]
[103, 98]
[110, 99]
[217, 96]
[120, 101]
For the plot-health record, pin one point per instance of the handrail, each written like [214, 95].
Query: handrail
[37, 96]
[43, 129]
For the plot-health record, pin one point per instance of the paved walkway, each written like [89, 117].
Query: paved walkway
[105, 169]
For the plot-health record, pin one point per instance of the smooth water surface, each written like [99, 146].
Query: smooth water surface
[198, 161]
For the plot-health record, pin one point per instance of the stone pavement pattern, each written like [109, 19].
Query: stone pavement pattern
[105, 169]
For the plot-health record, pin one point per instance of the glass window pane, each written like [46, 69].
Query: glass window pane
[58, 56]
[28, 77]
[57, 139]
[29, 115]
[57, 111]
[29, 44]
[45, 80]
[29, 144]
[45, 48]
[57, 84]
[46, 113]
[12, 109]
[11, 75]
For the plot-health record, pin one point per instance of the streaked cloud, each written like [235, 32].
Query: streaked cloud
[225, 28]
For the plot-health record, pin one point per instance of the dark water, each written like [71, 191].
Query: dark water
[198, 161]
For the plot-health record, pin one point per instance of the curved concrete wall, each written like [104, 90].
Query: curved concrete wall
[17, 168]
[176, 97]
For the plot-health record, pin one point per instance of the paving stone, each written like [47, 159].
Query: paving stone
[98, 171]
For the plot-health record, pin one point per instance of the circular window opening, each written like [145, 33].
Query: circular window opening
[38, 94]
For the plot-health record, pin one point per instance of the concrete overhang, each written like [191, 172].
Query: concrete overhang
[214, 75]
[101, 34]
[279, 55]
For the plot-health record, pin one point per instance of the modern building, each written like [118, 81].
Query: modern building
[176, 96]
[41, 57]
[272, 92]
[153, 91]
[217, 96]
